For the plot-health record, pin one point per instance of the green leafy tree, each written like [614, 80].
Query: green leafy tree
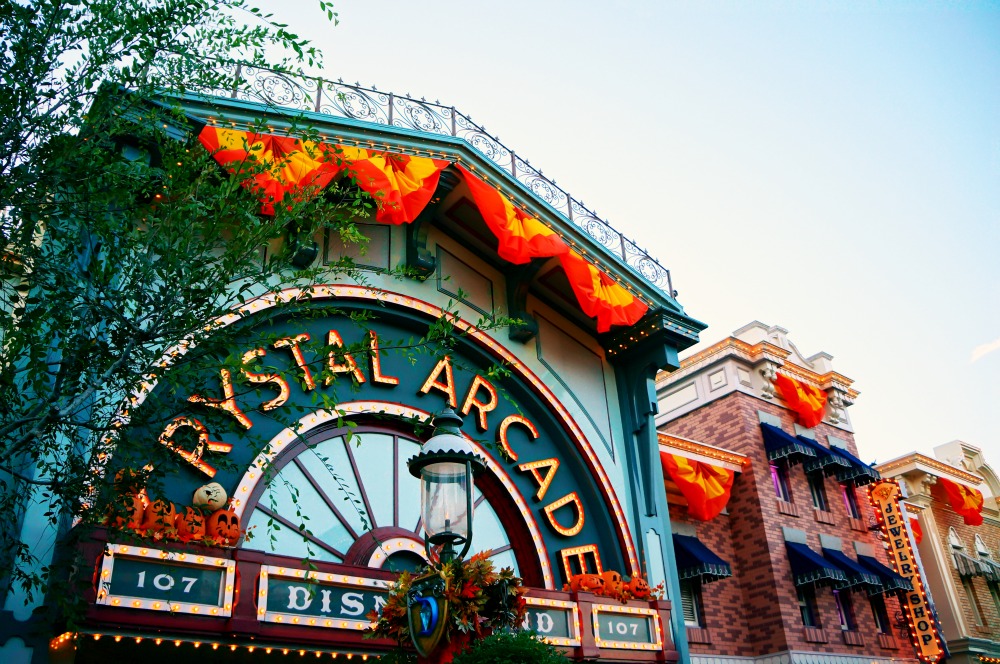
[121, 236]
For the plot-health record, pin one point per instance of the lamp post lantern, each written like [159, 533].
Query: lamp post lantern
[446, 467]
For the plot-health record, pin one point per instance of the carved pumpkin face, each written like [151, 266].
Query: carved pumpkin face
[638, 587]
[223, 526]
[211, 495]
[591, 583]
[159, 517]
[190, 524]
[612, 584]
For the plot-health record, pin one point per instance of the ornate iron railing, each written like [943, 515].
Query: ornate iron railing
[386, 108]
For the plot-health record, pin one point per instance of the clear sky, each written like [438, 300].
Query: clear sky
[830, 167]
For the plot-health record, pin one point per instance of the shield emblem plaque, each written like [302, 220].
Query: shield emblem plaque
[427, 612]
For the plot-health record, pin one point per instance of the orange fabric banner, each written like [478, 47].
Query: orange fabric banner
[271, 165]
[599, 295]
[706, 487]
[918, 532]
[521, 236]
[966, 501]
[807, 402]
[401, 184]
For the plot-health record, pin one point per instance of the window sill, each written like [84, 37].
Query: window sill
[698, 635]
[887, 642]
[785, 507]
[824, 517]
[814, 634]
[857, 524]
[853, 638]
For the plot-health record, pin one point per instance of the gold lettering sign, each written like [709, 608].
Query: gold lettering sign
[923, 628]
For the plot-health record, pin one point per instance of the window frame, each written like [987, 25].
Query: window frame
[691, 603]
[851, 500]
[880, 613]
[817, 491]
[845, 610]
[779, 480]
[808, 611]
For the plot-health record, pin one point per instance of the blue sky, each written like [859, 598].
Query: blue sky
[830, 167]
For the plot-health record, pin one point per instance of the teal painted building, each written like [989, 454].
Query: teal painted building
[573, 482]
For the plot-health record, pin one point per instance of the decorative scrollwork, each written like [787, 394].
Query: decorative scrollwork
[477, 137]
[540, 185]
[348, 101]
[275, 88]
[421, 115]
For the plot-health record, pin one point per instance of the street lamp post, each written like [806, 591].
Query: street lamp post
[446, 467]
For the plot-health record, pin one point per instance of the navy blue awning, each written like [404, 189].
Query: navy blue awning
[780, 445]
[694, 559]
[810, 567]
[890, 579]
[825, 460]
[857, 470]
[856, 574]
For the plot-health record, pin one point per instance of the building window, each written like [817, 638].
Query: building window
[880, 614]
[817, 488]
[995, 593]
[807, 606]
[851, 500]
[691, 603]
[845, 610]
[953, 539]
[977, 609]
[779, 476]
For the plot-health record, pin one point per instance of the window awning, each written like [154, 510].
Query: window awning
[991, 565]
[780, 445]
[694, 559]
[825, 460]
[969, 566]
[856, 470]
[810, 567]
[890, 579]
[856, 574]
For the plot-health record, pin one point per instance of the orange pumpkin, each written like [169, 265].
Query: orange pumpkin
[589, 583]
[190, 524]
[612, 585]
[224, 526]
[638, 588]
[159, 517]
[127, 511]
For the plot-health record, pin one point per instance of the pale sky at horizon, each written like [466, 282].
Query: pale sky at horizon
[829, 167]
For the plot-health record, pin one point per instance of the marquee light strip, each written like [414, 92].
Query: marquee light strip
[267, 571]
[574, 639]
[105, 597]
[652, 615]
[256, 471]
[214, 645]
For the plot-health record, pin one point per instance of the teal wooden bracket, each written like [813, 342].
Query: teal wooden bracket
[419, 260]
[518, 284]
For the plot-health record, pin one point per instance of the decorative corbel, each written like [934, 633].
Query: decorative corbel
[419, 259]
[518, 284]
[769, 372]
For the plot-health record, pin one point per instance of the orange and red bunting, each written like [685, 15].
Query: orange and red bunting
[918, 532]
[521, 237]
[706, 487]
[599, 295]
[272, 165]
[402, 185]
[807, 402]
[966, 501]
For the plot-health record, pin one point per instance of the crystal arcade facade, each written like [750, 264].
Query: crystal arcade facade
[573, 481]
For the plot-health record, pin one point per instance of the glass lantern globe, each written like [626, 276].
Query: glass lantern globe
[446, 466]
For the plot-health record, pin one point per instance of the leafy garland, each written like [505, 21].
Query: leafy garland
[480, 599]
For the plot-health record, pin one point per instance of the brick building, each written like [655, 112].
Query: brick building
[796, 573]
[960, 559]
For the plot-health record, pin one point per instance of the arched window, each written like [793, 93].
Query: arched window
[351, 490]
[955, 541]
[981, 548]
